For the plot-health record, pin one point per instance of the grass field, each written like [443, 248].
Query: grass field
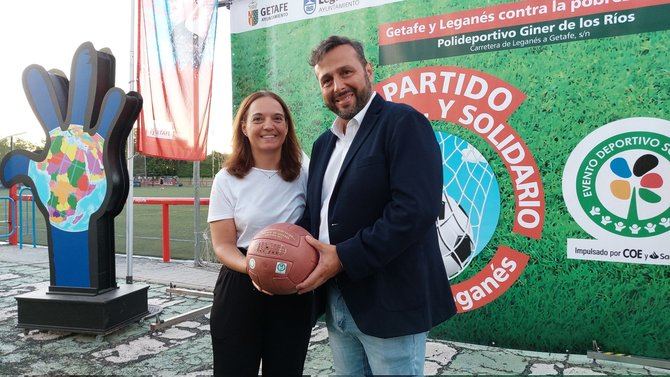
[572, 88]
[147, 224]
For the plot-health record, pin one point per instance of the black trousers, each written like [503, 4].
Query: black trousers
[248, 326]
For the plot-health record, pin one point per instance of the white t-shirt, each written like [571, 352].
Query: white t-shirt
[256, 201]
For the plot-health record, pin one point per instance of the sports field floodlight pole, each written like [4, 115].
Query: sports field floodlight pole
[130, 153]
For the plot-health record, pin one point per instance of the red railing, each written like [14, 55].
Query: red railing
[166, 203]
[11, 219]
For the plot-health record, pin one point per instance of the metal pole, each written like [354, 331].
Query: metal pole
[130, 153]
[13, 238]
[166, 232]
[196, 208]
[196, 138]
[628, 359]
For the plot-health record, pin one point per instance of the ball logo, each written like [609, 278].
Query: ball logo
[281, 268]
[252, 263]
[616, 180]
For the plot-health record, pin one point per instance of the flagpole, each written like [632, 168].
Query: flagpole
[196, 139]
[131, 154]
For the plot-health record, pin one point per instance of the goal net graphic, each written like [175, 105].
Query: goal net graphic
[470, 203]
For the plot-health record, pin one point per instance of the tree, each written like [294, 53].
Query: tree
[18, 144]
[6, 147]
[156, 167]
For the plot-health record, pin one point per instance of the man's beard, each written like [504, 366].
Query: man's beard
[362, 98]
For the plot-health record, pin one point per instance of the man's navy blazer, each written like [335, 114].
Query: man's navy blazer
[382, 219]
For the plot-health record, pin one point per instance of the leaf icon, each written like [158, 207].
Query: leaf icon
[649, 196]
[645, 164]
[652, 180]
[620, 167]
[620, 189]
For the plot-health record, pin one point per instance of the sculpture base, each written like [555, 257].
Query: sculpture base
[100, 314]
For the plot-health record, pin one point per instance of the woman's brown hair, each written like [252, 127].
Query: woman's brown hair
[242, 160]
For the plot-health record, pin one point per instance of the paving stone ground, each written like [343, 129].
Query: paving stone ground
[185, 349]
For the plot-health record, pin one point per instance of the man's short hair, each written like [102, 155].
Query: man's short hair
[334, 41]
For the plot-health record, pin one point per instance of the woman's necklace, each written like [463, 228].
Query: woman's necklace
[268, 173]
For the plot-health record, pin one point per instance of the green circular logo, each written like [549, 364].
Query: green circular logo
[623, 184]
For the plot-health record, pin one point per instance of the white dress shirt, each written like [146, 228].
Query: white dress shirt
[335, 164]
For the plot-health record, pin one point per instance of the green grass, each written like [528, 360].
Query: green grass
[572, 88]
[147, 224]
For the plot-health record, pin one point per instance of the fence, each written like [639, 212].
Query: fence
[170, 237]
[22, 225]
[8, 222]
[165, 204]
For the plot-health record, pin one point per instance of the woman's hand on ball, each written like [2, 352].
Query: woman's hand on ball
[261, 290]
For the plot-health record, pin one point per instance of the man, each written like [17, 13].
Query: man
[373, 197]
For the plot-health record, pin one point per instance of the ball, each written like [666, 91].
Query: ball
[279, 258]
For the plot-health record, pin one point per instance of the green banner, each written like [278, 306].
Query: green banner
[554, 132]
[573, 29]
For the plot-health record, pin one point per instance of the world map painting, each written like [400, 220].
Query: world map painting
[72, 177]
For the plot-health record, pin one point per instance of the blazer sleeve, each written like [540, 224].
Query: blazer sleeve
[415, 183]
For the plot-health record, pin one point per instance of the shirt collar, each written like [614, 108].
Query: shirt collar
[354, 123]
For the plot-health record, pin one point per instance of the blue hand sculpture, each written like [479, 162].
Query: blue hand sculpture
[80, 180]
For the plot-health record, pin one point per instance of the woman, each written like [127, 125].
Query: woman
[263, 183]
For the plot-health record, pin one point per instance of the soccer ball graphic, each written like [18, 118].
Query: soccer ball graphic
[470, 203]
[455, 236]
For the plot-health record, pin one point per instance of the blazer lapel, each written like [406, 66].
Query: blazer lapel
[369, 122]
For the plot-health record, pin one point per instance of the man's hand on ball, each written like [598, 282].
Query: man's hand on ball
[329, 265]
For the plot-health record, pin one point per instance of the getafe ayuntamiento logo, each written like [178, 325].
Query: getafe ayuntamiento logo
[252, 14]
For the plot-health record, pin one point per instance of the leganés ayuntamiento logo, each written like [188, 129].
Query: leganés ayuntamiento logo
[616, 185]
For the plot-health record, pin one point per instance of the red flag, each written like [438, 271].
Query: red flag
[174, 66]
